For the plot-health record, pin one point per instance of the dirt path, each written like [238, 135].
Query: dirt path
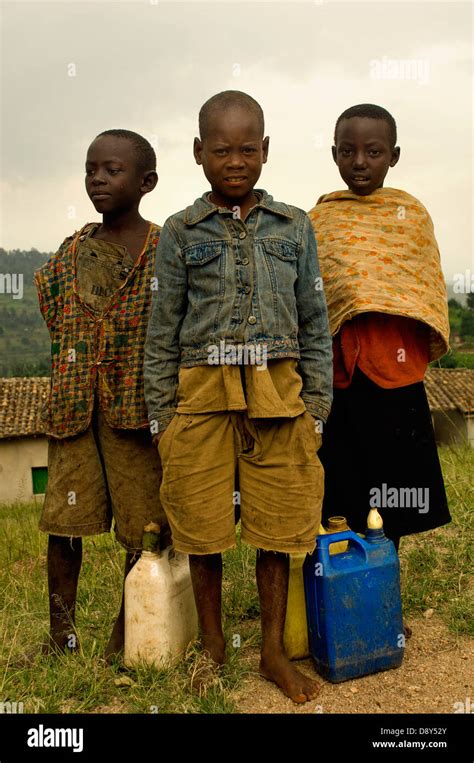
[437, 671]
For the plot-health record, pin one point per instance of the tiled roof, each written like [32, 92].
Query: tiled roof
[21, 400]
[450, 389]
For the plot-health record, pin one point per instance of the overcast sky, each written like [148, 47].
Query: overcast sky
[73, 69]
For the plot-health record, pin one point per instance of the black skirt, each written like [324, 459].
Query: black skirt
[379, 450]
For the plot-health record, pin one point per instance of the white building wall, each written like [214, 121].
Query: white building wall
[470, 430]
[17, 457]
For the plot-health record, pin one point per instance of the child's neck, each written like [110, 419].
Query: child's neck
[359, 191]
[129, 230]
[121, 223]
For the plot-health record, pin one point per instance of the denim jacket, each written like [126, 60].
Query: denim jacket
[253, 282]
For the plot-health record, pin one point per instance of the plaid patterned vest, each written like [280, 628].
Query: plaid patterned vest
[101, 352]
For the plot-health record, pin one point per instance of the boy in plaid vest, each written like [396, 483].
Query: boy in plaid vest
[95, 296]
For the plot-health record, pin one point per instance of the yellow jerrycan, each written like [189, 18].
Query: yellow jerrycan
[295, 635]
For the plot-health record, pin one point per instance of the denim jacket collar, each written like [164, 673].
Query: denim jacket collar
[202, 207]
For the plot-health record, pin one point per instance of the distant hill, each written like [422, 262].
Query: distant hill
[24, 338]
[461, 298]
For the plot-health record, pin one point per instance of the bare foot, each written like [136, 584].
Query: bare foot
[214, 647]
[206, 666]
[204, 674]
[60, 642]
[293, 683]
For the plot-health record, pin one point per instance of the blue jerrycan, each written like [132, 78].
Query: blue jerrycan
[353, 605]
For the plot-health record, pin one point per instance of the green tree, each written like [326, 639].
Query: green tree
[467, 325]
[447, 361]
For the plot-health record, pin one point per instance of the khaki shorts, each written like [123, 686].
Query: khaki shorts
[100, 475]
[281, 481]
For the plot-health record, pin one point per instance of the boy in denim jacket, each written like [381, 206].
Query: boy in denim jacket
[238, 378]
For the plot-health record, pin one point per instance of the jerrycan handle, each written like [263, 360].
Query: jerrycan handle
[325, 541]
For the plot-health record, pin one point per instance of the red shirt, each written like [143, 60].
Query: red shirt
[391, 350]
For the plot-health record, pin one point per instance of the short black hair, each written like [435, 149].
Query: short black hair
[227, 99]
[371, 111]
[146, 157]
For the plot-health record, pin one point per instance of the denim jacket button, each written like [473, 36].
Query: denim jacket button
[245, 261]
[252, 319]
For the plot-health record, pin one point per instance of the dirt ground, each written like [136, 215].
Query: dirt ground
[437, 671]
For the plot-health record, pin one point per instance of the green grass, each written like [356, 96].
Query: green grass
[81, 682]
[437, 566]
[436, 573]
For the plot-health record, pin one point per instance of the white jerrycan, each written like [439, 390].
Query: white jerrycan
[160, 613]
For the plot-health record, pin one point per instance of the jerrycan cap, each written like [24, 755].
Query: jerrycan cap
[151, 538]
[375, 533]
[337, 524]
[374, 520]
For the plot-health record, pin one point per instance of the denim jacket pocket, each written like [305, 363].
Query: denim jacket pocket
[284, 250]
[201, 254]
[206, 266]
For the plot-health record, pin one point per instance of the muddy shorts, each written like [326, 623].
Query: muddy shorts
[100, 475]
[280, 479]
